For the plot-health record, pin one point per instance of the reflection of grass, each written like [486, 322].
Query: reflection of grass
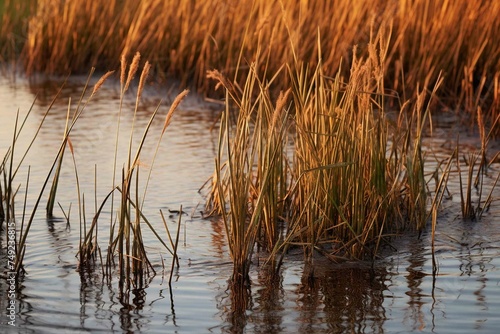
[457, 38]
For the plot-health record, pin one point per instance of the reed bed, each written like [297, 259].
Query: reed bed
[346, 185]
[185, 39]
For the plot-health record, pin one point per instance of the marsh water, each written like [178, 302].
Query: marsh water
[397, 293]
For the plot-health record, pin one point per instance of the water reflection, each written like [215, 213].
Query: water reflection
[476, 244]
[309, 302]
[92, 293]
[337, 299]
[218, 238]
[348, 298]
[102, 302]
[259, 307]
[415, 314]
[269, 302]
[240, 302]
[25, 307]
[363, 298]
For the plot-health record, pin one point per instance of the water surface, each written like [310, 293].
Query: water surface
[397, 293]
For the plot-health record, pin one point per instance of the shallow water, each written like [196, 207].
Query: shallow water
[398, 293]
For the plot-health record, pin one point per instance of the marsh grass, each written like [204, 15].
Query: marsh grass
[126, 241]
[26, 225]
[253, 180]
[352, 178]
[457, 39]
[344, 185]
[9, 169]
[354, 184]
[473, 204]
[8, 194]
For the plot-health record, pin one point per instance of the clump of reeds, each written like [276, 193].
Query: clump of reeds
[347, 185]
[126, 241]
[253, 180]
[477, 166]
[9, 171]
[353, 184]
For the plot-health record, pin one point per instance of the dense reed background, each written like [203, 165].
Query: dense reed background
[185, 39]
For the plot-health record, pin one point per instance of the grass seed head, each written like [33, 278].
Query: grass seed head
[142, 81]
[132, 70]
[174, 106]
[101, 81]
[123, 63]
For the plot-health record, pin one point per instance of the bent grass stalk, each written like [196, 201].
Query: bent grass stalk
[174, 244]
[8, 212]
[53, 190]
[436, 203]
[166, 123]
[8, 173]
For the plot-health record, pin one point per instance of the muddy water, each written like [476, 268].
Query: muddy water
[398, 293]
